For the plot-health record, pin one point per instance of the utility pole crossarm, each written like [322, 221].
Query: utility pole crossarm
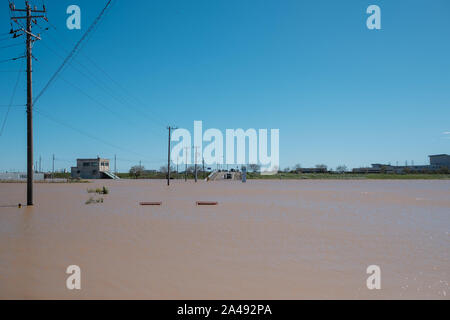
[12, 7]
[32, 35]
[27, 17]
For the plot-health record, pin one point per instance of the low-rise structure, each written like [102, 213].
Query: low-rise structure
[437, 163]
[97, 168]
[20, 176]
[440, 160]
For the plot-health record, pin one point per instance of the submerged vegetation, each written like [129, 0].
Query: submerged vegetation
[92, 200]
[103, 190]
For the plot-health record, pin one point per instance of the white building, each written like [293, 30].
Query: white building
[20, 176]
[96, 168]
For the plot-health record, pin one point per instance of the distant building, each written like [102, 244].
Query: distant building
[96, 168]
[312, 170]
[440, 160]
[437, 162]
[20, 176]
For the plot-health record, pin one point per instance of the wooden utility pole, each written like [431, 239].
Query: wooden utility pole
[30, 38]
[53, 167]
[168, 155]
[203, 163]
[195, 161]
[185, 171]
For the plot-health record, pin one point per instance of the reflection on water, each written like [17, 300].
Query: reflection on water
[265, 239]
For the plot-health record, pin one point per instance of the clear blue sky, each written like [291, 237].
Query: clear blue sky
[338, 92]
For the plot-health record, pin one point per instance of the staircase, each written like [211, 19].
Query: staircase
[110, 175]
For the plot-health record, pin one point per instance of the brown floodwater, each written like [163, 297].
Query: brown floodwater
[264, 240]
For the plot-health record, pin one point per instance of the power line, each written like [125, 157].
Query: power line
[10, 102]
[70, 63]
[12, 59]
[53, 77]
[143, 161]
[109, 91]
[62, 123]
[100, 82]
[92, 98]
[11, 45]
[101, 104]
[120, 86]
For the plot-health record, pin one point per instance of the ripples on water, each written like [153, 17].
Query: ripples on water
[266, 239]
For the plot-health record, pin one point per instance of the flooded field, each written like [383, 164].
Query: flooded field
[264, 240]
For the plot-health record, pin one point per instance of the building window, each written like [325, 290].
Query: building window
[85, 164]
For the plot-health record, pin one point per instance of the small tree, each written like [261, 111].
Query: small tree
[190, 169]
[341, 169]
[163, 169]
[254, 167]
[136, 171]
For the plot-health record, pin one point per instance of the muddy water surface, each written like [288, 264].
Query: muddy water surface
[265, 240]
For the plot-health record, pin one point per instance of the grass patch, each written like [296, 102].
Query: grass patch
[103, 190]
[92, 200]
